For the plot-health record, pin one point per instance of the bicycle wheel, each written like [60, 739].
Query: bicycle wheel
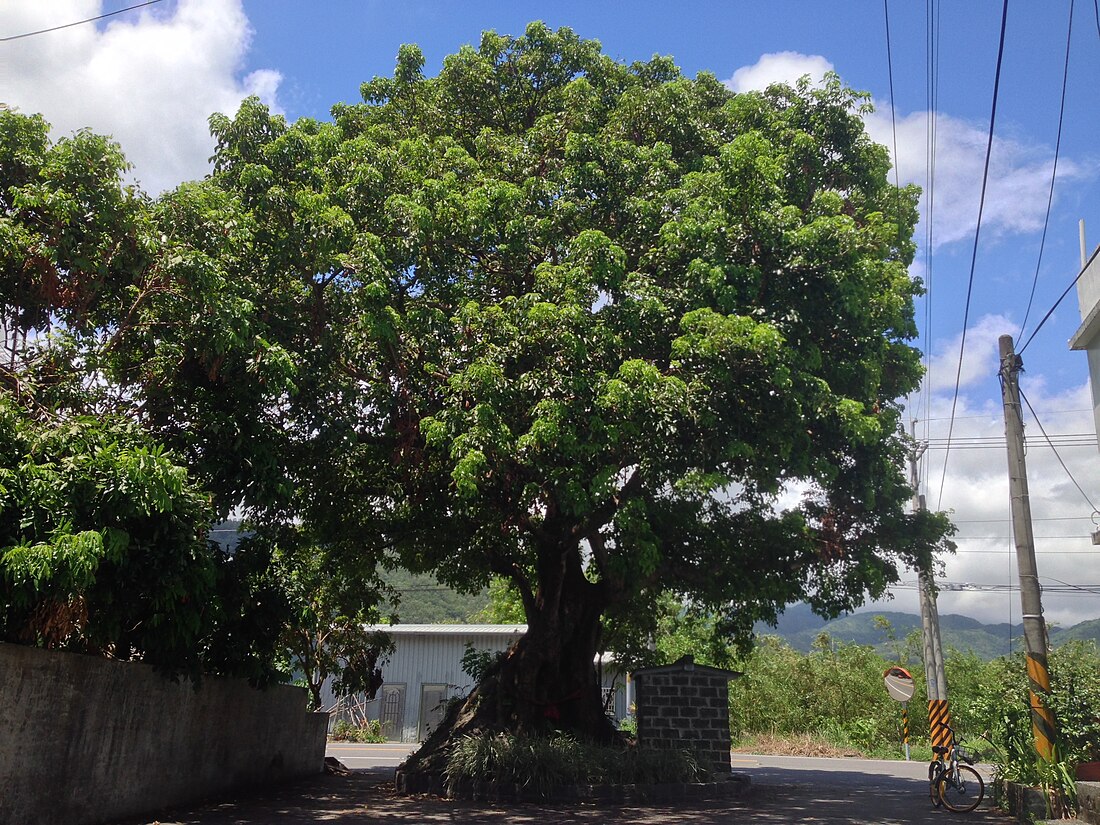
[962, 789]
[935, 771]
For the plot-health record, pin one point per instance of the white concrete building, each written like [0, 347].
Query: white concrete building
[425, 671]
[1087, 336]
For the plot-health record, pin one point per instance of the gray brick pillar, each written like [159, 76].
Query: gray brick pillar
[685, 705]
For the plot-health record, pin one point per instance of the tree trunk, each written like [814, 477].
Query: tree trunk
[546, 682]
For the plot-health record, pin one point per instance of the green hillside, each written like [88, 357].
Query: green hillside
[799, 627]
[423, 600]
[1085, 631]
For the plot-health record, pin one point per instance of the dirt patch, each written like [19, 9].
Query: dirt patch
[804, 745]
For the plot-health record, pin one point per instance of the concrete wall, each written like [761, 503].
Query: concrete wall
[1088, 802]
[85, 740]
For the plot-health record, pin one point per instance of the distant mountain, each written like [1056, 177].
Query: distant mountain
[1085, 631]
[425, 601]
[799, 627]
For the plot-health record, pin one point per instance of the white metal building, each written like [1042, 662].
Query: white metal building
[425, 670]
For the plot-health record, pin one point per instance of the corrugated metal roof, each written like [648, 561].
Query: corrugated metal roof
[452, 629]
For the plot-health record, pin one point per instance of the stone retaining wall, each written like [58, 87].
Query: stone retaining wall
[1088, 802]
[84, 740]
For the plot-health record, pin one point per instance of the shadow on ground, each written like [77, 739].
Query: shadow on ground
[778, 796]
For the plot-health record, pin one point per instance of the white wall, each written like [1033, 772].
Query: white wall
[432, 655]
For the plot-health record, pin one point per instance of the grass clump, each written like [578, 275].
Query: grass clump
[539, 765]
[370, 731]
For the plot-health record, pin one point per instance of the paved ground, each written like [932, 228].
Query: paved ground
[785, 790]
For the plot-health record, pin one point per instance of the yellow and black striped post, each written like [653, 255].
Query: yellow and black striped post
[939, 716]
[1042, 720]
[905, 728]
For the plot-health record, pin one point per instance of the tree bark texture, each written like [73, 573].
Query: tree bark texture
[546, 682]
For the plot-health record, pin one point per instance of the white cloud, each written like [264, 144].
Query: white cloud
[1019, 173]
[975, 491]
[1018, 183]
[150, 78]
[779, 67]
[980, 359]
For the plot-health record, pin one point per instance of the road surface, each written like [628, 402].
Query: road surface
[785, 790]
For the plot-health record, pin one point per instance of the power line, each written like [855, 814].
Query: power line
[1006, 520]
[78, 22]
[1059, 587]
[1051, 443]
[1053, 172]
[1050, 311]
[1009, 538]
[932, 63]
[1037, 552]
[977, 234]
[893, 119]
[997, 442]
[990, 417]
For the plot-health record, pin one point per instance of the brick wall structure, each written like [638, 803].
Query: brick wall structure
[685, 705]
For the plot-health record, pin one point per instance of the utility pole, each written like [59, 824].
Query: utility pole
[934, 676]
[1035, 632]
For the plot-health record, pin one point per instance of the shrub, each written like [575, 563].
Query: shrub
[344, 731]
[834, 692]
[541, 764]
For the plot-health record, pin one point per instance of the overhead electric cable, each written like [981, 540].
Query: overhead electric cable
[894, 133]
[1051, 443]
[1050, 311]
[893, 120]
[1053, 172]
[78, 22]
[1069, 586]
[977, 234]
[932, 64]
[1008, 548]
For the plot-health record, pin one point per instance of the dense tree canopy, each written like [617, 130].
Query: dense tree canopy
[103, 523]
[604, 330]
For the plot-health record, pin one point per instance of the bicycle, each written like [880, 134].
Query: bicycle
[959, 787]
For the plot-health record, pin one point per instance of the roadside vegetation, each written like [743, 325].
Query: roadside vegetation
[831, 701]
[369, 731]
[540, 764]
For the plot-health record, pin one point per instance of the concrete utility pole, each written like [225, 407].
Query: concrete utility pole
[1035, 632]
[934, 677]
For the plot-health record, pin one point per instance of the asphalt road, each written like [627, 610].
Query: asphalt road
[785, 790]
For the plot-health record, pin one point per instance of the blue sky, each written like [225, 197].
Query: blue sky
[150, 77]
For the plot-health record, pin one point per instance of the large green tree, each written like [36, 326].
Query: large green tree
[103, 524]
[601, 329]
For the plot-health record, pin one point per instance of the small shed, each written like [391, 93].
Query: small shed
[425, 671]
[685, 705]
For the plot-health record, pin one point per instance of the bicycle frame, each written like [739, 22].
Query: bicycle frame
[951, 784]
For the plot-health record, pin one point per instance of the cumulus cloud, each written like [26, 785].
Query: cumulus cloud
[149, 78]
[980, 358]
[974, 488]
[779, 67]
[1019, 173]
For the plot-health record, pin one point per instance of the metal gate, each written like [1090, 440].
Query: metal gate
[392, 714]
